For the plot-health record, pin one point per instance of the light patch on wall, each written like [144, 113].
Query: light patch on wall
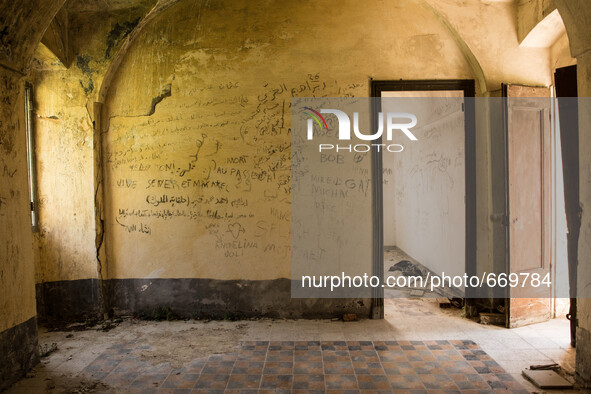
[155, 274]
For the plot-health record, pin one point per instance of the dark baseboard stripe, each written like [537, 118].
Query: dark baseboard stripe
[241, 298]
[67, 300]
[188, 298]
[583, 361]
[19, 352]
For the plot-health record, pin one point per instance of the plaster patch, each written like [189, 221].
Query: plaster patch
[155, 274]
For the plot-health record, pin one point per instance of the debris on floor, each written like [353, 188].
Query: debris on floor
[546, 379]
[444, 302]
[75, 385]
[406, 268]
[457, 302]
[349, 317]
[46, 349]
[538, 367]
[496, 319]
[398, 264]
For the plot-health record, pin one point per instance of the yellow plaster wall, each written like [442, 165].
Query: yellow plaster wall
[490, 31]
[560, 54]
[17, 287]
[201, 187]
[65, 244]
[202, 69]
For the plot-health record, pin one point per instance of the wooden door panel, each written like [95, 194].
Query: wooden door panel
[525, 186]
[528, 200]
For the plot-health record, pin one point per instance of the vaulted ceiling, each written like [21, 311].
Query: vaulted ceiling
[23, 23]
[105, 5]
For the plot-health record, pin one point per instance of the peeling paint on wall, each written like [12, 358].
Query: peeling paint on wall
[198, 172]
[118, 33]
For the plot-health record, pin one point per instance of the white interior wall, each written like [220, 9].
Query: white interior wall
[424, 186]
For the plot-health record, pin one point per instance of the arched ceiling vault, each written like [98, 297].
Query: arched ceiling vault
[25, 22]
[22, 25]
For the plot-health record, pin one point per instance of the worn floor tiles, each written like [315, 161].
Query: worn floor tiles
[418, 346]
[313, 366]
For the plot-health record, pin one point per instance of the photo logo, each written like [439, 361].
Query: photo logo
[395, 121]
[316, 115]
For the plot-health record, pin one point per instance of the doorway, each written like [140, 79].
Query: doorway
[528, 201]
[420, 205]
[567, 173]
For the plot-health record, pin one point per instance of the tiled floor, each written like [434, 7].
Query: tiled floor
[314, 366]
[297, 355]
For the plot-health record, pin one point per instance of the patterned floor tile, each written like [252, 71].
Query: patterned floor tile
[313, 366]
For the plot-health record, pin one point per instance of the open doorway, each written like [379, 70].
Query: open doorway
[426, 196]
[567, 208]
[414, 201]
[425, 199]
[424, 192]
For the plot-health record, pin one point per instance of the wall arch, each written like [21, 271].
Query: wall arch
[283, 50]
[577, 19]
[160, 7]
[219, 90]
[202, 5]
[471, 59]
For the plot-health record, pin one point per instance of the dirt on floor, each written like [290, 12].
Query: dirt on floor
[181, 347]
[65, 353]
[75, 385]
